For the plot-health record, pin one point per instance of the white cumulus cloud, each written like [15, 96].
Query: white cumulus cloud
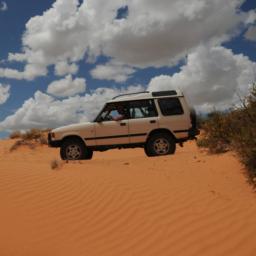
[212, 77]
[67, 87]
[251, 33]
[251, 17]
[112, 71]
[44, 111]
[154, 33]
[30, 72]
[4, 93]
[62, 68]
[158, 33]
[3, 6]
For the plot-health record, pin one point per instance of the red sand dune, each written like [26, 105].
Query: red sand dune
[123, 203]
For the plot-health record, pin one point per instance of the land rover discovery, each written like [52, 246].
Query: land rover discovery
[155, 121]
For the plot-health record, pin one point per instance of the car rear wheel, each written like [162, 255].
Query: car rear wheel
[160, 145]
[75, 149]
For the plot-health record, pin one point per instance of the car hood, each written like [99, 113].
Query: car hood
[74, 127]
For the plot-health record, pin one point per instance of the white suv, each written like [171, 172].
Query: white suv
[155, 121]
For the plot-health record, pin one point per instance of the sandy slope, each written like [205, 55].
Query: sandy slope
[123, 203]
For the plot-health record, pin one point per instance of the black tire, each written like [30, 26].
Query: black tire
[74, 149]
[88, 154]
[159, 145]
[193, 118]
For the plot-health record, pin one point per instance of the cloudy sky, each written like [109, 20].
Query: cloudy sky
[61, 60]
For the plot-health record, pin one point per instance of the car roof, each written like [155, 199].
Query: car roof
[146, 95]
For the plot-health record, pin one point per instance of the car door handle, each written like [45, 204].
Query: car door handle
[152, 121]
[123, 124]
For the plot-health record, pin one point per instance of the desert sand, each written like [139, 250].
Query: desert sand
[123, 203]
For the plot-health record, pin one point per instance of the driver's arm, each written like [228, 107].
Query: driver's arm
[118, 118]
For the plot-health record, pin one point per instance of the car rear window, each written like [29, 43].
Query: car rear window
[142, 109]
[170, 106]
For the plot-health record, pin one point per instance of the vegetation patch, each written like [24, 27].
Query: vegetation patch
[19, 143]
[234, 130]
[56, 164]
[31, 138]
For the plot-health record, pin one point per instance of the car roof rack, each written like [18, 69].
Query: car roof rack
[164, 93]
[127, 94]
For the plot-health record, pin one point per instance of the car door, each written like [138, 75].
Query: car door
[143, 119]
[110, 128]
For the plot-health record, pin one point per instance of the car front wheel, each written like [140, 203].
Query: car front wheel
[75, 149]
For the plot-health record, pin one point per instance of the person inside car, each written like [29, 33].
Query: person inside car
[120, 113]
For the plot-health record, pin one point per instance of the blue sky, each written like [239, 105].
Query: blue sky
[166, 61]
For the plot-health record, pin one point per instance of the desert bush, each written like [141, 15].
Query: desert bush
[19, 143]
[32, 134]
[234, 130]
[216, 131]
[56, 164]
[35, 135]
[31, 138]
[43, 140]
[200, 121]
[15, 135]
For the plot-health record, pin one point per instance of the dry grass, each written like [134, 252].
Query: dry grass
[20, 143]
[235, 130]
[31, 138]
[15, 135]
[56, 164]
[33, 134]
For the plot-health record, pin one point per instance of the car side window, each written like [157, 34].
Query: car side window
[170, 106]
[113, 112]
[142, 109]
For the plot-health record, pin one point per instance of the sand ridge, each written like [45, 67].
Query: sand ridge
[123, 203]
